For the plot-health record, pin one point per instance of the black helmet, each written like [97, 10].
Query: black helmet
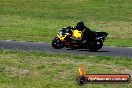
[80, 26]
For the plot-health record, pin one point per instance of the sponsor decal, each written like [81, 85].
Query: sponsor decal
[84, 78]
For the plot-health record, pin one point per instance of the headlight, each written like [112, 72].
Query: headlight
[60, 33]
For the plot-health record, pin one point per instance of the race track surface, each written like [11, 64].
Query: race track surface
[46, 47]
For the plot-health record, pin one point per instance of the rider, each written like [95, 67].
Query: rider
[87, 34]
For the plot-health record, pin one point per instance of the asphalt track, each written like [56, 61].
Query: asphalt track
[46, 47]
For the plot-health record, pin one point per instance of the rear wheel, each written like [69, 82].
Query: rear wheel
[96, 45]
[57, 44]
[99, 44]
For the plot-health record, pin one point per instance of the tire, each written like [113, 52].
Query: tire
[99, 44]
[95, 46]
[57, 44]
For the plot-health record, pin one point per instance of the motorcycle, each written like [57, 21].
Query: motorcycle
[64, 36]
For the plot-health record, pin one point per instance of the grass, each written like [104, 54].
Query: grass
[39, 21]
[32, 20]
[47, 70]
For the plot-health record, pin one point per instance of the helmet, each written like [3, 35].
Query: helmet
[80, 26]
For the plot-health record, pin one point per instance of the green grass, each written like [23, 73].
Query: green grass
[47, 70]
[39, 20]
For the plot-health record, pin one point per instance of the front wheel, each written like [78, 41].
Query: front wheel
[57, 44]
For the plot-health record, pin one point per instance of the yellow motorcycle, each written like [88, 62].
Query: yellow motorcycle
[65, 35]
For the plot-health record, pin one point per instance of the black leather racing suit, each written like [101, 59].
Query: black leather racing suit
[87, 35]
